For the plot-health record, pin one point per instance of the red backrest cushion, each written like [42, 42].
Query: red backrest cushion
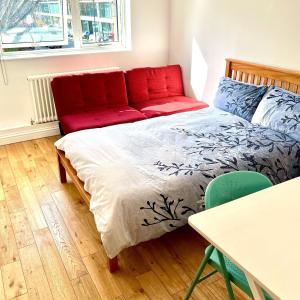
[86, 92]
[104, 90]
[153, 83]
[67, 95]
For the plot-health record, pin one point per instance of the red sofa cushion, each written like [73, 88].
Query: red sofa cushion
[100, 118]
[67, 95]
[169, 105]
[87, 92]
[146, 84]
[104, 89]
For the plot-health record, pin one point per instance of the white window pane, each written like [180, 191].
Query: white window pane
[44, 25]
[99, 21]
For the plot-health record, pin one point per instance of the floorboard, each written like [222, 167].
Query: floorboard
[21, 228]
[7, 178]
[64, 242]
[34, 273]
[8, 245]
[13, 280]
[50, 248]
[57, 276]
[84, 288]
[13, 200]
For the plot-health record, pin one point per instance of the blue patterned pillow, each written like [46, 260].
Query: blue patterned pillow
[280, 110]
[239, 98]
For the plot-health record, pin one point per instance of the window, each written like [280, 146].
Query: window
[62, 24]
[99, 21]
[43, 24]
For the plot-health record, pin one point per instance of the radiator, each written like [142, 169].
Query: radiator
[43, 103]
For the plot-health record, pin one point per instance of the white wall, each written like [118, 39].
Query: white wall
[150, 32]
[205, 32]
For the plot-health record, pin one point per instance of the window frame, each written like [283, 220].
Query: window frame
[124, 32]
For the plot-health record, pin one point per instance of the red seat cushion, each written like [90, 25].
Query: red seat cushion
[100, 118]
[146, 84]
[168, 106]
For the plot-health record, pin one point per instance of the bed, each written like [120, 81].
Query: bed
[144, 179]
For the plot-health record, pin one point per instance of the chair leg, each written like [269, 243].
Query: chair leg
[226, 276]
[199, 272]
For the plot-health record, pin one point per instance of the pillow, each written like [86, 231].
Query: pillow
[280, 111]
[239, 98]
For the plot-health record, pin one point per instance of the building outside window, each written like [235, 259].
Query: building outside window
[98, 21]
[52, 24]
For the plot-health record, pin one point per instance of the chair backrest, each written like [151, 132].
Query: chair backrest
[234, 185]
[144, 84]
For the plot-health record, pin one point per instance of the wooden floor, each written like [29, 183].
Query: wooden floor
[50, 249]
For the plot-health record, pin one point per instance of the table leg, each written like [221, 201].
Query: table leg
[255, 288]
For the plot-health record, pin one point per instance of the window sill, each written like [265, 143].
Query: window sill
[63, 52]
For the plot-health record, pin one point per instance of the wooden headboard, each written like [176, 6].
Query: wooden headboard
[260, 74]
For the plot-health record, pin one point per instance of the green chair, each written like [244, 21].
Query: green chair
[223, 189]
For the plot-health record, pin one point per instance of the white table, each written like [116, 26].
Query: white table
[260, 233]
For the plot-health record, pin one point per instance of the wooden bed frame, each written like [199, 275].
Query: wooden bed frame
[235, 69]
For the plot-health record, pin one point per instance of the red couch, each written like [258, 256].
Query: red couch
[92, 100]
[159, 91]
[98, 100]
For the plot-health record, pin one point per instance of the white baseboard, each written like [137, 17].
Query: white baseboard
[20, 134]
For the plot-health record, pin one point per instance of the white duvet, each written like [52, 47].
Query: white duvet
[116, 165]
[147, 177]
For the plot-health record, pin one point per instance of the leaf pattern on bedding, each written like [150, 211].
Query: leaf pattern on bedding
[280, 110]
[237, 139]
[230, 147]
[169, 211]
[176, 169]
[237, 135]
[291, 121]
[284, 98]
[238, 98]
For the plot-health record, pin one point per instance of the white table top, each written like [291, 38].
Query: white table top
[261, 234]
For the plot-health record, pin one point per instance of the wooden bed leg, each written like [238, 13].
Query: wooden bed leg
[113, 264]
[62, 171]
